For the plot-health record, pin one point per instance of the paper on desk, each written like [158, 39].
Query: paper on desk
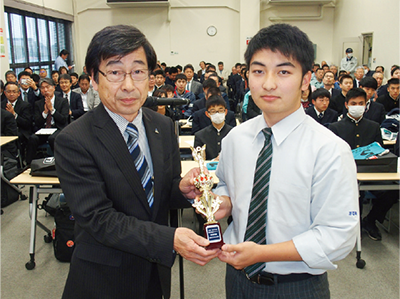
[46, 131]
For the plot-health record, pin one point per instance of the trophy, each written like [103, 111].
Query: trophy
[206, 204]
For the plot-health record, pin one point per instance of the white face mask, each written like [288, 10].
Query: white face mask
[218, 118]
[365, 71]
[356, 111]
[349, 55]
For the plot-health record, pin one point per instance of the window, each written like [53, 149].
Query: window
[35, 40]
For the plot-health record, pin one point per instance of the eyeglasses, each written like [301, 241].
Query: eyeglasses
[212, 112]
[119, 76]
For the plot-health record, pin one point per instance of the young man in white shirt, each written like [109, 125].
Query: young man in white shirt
[310, 210]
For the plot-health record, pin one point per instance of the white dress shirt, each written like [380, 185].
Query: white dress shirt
[313, 195]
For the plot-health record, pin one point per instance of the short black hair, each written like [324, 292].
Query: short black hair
[10, 72]
[23, 73]
[65, 77]
[167, 68]
[159, 72]
[169, 87]
[35, 78]
[393, 81]
[345, 77]
[53, 72]
[119, 41]
[383, 69]
[319, 69]
[286, 39]
[84, 77]
[214, 91]
[181, 76]
[325, 65]
[238, 64]
[320, 93]
[188, 66]
[179, 67]
[173, 70]
[220, 62]
[355, 93]
[342, 72]
[163, 64]
[28, 68]
[160, 92]
[209, 83]
[215, 100]
[64, 52]
[316, 64]
[211, 66]
[74, 75]
[393, 70]
[10, 83]
[369, 82]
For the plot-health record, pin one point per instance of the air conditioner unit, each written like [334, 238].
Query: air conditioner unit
[300, 2]
[138, 3]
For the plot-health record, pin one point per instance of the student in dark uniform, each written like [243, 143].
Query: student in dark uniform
[214, 133]
[320, 111]
[391, 99]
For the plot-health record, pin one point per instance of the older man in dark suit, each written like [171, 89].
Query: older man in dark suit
[119, 168]
[50, 112]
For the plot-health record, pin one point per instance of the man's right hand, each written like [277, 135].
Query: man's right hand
[192, 246]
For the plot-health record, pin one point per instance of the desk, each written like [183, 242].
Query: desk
[185, 141]
[38, 185]
[6, 139]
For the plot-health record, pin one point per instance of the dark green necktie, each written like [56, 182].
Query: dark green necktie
[256, 223]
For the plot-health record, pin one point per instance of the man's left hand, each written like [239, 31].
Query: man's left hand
[241, 255]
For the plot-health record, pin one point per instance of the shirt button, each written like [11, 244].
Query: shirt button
[218, 134]
[358, 135]
[219, 143]
[358, 145]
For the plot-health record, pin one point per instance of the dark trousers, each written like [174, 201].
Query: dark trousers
[36, 140]
[237, 286]
[382, 204]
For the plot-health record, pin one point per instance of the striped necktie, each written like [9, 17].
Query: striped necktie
[140, 162]
[256, 223]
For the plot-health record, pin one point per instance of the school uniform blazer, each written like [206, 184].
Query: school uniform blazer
[330, 115]
[200, 120]
[120, 241]
[376, 112]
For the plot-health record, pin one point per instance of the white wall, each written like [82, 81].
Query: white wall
[355, 17]
[181, 29]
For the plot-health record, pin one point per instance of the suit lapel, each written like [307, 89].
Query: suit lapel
[108, 133]
[155, 143]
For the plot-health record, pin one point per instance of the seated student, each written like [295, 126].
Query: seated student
[51, 111]
[338, 103]
[74, 99]
[373, 111]
[200, 119]
[394, 73]
[358, 131]
[162, 109]
[212, 135]
[306, 100]
[171, 75]
[320, 111]
[181, 92]
[152, 84]
[159, 79]
[209, 90]
[75, 81]
[391, 99]
[354, 128]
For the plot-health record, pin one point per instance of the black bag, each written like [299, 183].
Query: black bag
[385, 163]
[8, 194]
[63, 234]
[44, 167]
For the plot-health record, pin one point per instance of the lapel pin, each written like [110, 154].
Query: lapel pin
[157, 131]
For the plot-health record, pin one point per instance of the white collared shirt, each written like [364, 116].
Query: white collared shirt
[313, 194]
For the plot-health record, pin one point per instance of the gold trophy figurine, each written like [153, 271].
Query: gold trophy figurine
[206, 204]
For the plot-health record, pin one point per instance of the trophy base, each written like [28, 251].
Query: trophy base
[212, 231]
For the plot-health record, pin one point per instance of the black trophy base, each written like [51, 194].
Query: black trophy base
[212, 231]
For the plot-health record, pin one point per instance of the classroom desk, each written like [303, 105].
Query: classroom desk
[38, 185]
[6, 139]
[185, 141]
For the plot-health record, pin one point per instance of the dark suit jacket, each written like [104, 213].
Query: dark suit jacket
[212, 138]
[76, 105]
[356, 135]
[32, 98]
[8, 128]
[330, 116]
[24, 119]
[335, 93]
[60, 116]
[200, 120]
[120, 241]
[196, 88]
